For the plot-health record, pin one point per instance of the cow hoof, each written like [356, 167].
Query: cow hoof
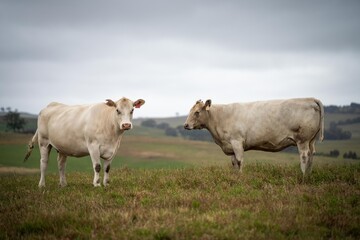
[106, 182]
[41, 185]
[97, 185]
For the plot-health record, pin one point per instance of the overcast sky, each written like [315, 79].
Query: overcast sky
[172, 53]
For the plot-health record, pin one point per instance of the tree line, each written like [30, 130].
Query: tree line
[13, 120]
[352, 108]
[336, 133]
[336, 153]
[199, 135]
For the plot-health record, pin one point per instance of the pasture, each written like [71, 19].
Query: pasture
[170, 188]
[265, 202]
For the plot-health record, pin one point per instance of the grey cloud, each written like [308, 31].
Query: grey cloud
[86, 51]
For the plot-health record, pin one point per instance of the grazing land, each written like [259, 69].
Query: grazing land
[170, 188]
[265, 202]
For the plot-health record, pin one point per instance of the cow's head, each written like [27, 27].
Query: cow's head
[198, 115]
[123, 110]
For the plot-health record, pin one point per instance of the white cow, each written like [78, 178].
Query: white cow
[266, 125]
[82, 130]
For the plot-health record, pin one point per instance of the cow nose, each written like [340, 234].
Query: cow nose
[126, 126]
[186, 126]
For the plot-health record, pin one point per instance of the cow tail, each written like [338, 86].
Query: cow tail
[321, 131]
[31, 146]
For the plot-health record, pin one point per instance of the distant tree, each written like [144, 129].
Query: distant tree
[199, 135]
[163, 126]
[350, 155]
[14, 121]
[336, 133]
[2, 109]
[182, 131]
[149, 123]
[349, 121]
[171, 132]
[334, 153]
[352, 108]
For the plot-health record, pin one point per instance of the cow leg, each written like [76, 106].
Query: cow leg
[312, 147]
[95, 158]
[237, 159]
[106, 171]
[312, 153]
[45, 149]
[235, 163]
[306, 157]
[61, 164]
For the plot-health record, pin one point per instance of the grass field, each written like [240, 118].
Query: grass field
[265, 202]
[169, 188]
[149, 148]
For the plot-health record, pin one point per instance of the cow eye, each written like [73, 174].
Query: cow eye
[132, 111]
[197, 114]
[118, 111]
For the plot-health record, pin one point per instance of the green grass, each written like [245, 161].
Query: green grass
[265, 202]
[336, 117]
[147, 151]
[170, 188]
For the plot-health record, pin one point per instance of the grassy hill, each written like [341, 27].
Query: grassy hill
[170, 188]
[172, 121]
[149, 148]
[265, 202]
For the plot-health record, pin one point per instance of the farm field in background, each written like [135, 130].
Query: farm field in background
[149, 148]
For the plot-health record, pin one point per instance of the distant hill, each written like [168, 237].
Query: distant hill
[172, 121]
[352, 108]
[22, 114]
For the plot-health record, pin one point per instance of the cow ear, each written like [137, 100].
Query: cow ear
[138, 103]
[110, 103]
[207, 104]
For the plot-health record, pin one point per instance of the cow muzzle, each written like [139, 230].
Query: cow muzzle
[187, 126]
[126, 126]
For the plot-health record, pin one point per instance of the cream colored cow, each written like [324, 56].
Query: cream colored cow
[266, 125]
[82, 130]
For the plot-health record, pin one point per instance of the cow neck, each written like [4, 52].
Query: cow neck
[213, 124]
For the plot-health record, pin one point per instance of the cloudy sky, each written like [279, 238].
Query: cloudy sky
[172, 53]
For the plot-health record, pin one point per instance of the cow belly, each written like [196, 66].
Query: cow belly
[73, 150]
[272, 146]
[226, 148]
